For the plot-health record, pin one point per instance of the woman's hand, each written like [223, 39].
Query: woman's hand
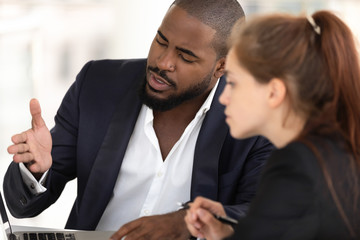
[201, 222]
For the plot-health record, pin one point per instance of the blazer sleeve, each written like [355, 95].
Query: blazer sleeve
[284, 204]
[253, 159]
[20, 201]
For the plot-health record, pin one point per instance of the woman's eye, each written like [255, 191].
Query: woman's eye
[231, 84]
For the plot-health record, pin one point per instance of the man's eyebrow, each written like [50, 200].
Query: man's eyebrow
[162, 36]
[186, 51]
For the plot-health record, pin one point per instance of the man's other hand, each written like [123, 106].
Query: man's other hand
[158, 227]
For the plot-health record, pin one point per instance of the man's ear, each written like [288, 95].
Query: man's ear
[277, 92]
[220, 67]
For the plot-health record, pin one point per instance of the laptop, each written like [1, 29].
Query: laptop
[8, 234]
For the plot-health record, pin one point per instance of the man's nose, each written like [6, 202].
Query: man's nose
[166, 62]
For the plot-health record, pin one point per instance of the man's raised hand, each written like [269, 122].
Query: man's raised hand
[33, 147]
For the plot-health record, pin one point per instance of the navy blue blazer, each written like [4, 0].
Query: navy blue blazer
[92, 129]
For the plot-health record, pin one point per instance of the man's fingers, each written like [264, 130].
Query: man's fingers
[124, 230]
[136, 235]
[19, 138]
[23, 157]
[35, 110]
[18, 148]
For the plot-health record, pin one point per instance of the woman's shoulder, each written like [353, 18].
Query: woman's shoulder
[313, 147]
[310, 155]
[295, 155]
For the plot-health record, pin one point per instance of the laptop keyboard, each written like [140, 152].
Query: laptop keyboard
[49, 236]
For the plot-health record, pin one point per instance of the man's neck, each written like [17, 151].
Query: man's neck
[170, 125]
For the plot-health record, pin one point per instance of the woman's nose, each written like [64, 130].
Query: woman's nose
[224, 97]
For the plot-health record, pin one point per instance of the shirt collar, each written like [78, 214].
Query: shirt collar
[207, 104]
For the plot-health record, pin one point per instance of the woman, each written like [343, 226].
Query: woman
[296, 81]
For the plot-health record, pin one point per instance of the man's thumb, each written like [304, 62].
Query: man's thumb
[35, 110]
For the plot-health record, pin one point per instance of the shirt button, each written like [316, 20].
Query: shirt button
[23, 200]
[146, 212]
[159, 174]
[32, 186]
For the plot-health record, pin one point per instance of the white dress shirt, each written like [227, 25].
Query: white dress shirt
[147, 185]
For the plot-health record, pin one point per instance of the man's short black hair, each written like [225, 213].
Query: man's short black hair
[220, 15]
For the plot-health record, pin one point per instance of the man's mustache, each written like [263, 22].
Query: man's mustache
[161, 74]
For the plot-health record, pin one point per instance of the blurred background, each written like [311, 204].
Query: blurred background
[44, 44]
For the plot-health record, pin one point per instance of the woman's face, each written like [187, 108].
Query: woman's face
[245, 100]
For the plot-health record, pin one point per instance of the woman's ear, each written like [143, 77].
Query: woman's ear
[220, 67]
[277, 92]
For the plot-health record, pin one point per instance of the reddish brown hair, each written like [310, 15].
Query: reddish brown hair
[321, 72]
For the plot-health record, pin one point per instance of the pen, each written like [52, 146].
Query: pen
[225, 219]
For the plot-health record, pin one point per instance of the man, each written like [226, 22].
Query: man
[136, 152]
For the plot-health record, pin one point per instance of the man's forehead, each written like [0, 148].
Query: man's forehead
[180, 12]
[180, 28]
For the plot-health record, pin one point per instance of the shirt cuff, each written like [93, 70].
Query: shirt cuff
[35, 187]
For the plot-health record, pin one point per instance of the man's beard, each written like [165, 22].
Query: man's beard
[174, 100]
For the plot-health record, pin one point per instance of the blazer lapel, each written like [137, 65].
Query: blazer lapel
[106, 168]
[208, 149]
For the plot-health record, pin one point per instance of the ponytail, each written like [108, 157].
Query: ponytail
[342, 112]
[342, 63]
